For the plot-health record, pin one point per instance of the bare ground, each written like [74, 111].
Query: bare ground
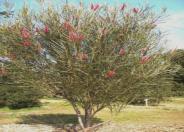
[110, 127]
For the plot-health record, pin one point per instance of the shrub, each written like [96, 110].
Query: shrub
[22, 97]
[16, 93]
[94, 59]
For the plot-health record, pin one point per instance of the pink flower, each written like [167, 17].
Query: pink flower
[46, 29]
[75, 37]
[145, 59]
[37, 29]
[122, 8]
[26, 43]
[122, 52]
[68, 26]
[135, 10]
[94, 7]
[72, 36]
[80, 37]
[127, 15]
[25, 33]
[110, 74]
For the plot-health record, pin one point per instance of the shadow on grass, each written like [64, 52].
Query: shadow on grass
[55, 120]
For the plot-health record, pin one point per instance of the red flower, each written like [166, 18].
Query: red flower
[122, 8]
[26, 43]
[94, 7]
[122, 52]
[75, 37]
[80, 37]
[46, 29]
[127, 15]
[145, 59]
[25, 33]
[110, 74]
[68, 27]
[135, 10]
[37, 29]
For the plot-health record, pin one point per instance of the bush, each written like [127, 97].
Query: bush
[178, 78]
[23, 97]
[16, 92]
[19, 97]
[3, 96]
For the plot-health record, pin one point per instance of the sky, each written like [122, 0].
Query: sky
[173, 25]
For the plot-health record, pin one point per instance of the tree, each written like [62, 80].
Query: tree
[94, 59]
[177, 59]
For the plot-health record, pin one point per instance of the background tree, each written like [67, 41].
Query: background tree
[95, 59]
[177, 59]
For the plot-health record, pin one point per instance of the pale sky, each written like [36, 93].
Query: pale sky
[173, 25]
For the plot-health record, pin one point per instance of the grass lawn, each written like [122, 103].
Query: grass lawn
[57, 112]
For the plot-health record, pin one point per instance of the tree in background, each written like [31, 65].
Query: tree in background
[178, 59]
[97, 58]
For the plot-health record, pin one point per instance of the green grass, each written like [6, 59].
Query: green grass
[57, 112]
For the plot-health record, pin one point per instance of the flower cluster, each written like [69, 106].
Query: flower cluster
[122, 52]
[144, 57]
[95, 7]
[135, 10]
[68, 27]
[46, 29]
[75, 37]
[25, 34]
[110, 74]
[122, 8]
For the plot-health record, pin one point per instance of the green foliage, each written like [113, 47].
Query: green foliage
[23, 97]
[3, 96]
[17, 90]
[177, 59]
[19, 97]
[156, 90]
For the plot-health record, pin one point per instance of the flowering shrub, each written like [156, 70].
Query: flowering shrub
[94, 60]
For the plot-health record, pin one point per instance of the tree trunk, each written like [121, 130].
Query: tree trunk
[78, 115]
[88, 117]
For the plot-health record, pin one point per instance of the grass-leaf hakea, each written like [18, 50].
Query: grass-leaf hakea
[94, 60]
